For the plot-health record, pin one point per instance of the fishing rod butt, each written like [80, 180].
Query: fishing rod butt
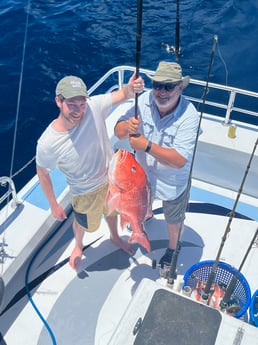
[223, 305]
[170, 283]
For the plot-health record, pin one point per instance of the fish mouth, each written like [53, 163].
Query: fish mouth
[118, 158]
[121, 155]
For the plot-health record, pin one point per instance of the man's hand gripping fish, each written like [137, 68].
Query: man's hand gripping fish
[130, 194]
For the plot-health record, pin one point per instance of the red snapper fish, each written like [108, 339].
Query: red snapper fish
[129, 194]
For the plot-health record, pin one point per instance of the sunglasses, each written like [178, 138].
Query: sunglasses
[168, 86]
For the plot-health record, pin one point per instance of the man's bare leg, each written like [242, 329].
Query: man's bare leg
[76, 255]
[173, 232]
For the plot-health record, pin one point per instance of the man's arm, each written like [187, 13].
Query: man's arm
[46, 184]
[126, 127]
[128, 91]
[166, 156]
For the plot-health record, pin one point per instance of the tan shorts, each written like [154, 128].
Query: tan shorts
[88, 208]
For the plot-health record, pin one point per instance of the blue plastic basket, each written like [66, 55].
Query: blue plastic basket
[224, 274]
[254, 309]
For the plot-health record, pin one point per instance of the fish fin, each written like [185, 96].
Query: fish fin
[142, 239]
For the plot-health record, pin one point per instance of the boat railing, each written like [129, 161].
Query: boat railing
[118, 76]
[229, 95]
[4, 180]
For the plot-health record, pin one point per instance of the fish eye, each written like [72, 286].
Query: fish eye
[133, 169]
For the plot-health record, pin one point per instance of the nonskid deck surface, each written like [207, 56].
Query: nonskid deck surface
[78, 307]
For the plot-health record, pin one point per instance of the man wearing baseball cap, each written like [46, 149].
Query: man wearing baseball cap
[77, 143]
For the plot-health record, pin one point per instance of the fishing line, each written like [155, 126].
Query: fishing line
[20, 87]
[15, 131]
[226, 70]
[172, 272]
[224, 63]
[206, 291]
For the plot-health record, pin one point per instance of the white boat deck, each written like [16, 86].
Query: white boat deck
[85, 308]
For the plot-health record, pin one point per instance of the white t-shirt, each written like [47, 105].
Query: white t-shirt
[82, 153]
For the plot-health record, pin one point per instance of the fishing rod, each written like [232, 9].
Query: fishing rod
[224, 303]
[138, 48]
[175, 49]
[206, 291]
[172, 272]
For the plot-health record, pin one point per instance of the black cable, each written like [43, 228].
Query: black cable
[50, 271]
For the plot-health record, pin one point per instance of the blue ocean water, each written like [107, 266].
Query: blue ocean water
[87, 38]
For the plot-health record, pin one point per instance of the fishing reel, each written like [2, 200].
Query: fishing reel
[232, 307]
[171, 49]
[164, 271]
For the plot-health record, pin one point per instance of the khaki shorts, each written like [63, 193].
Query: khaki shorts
[88, 208]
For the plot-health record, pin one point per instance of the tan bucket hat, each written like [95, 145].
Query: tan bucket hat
[169, 72]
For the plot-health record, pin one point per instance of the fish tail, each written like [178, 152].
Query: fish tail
[142, 239]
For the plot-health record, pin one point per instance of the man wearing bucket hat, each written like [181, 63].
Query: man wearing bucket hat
[166, 133]
[77, 143]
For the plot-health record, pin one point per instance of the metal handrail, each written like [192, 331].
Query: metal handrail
[120, 80]
[232, 92]
[11, 191]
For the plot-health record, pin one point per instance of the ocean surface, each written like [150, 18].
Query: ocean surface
[43, 40]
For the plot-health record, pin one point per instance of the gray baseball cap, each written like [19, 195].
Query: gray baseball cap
[71, 86]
